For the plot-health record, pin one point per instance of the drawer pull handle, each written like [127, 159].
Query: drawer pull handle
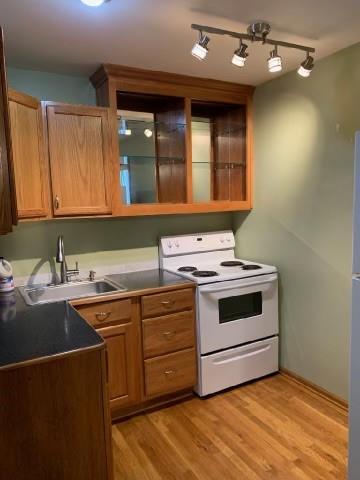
[168, 335]
[167, 303]
[169, 372]
[102, 316]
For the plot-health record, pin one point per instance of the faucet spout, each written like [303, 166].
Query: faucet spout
[60, 258]
[60, 254]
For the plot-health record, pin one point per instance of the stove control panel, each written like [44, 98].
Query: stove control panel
[206, 242]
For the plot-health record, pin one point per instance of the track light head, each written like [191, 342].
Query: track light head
[274, 61]
[200, 49]
[240, 55]
[306, 66]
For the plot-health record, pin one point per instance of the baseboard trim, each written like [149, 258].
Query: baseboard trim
[310, 386]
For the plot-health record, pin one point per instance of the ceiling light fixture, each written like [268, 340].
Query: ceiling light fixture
[306, 66]
[274, 61]
[94, 3]
[240, 55]
[200, 49]
[256, 32]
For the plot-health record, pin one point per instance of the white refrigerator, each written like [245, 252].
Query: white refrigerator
[354, 419]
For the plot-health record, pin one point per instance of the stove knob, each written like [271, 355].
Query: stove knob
[169, 245]
[222, 240]
[177, 245]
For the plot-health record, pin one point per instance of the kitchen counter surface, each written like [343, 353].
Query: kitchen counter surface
[33, 333]
[148, 280]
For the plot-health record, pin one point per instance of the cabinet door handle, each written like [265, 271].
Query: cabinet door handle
[168, 335]
[56, 202]
[169, 372]
[102, 316]
[167, 303]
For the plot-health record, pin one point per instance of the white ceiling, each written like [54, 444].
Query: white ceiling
[66, 36]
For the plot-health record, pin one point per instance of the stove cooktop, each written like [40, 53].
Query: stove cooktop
[221, 270]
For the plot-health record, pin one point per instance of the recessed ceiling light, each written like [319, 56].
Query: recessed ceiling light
[94, 3]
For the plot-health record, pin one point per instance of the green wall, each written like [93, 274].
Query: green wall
[302, 217]
[93, 242]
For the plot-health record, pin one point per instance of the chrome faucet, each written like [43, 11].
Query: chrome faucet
[65, 273]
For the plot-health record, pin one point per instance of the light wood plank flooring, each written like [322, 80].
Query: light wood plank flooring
[270, 429]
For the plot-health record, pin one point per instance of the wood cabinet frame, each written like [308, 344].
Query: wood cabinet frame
[8, 216]
[110, 79]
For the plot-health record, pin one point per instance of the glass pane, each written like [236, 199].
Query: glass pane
[137, 157]
[201, 160]
[241, 306]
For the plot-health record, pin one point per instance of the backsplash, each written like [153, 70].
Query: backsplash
[105, 245]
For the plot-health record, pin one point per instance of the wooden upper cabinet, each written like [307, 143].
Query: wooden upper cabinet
[30, 168]
[7, 187]
[80, 154]
[185, 143]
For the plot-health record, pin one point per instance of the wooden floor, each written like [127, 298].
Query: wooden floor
[270, 429]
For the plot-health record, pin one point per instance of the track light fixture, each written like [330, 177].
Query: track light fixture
[256, 32]
[274, 61]
[200, 49]
[240, 55]
[306, 66]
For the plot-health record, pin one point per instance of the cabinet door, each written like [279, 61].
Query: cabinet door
[123, 352]
[80, 148]
[31, 174]
[7, 190]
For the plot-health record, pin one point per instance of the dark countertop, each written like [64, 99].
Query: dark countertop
[148, 279]
[35, 332]
[32, 333]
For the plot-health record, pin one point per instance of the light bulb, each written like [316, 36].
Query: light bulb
[274, 62]
[240, 55]
[93, 3]
[200, 49]
[306, 67]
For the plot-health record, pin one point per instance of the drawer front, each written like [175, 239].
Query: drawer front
[238, 365]
[168, 334]
[106, 313]
[168, 302]
[170, 373]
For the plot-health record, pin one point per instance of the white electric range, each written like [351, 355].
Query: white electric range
[237, 308]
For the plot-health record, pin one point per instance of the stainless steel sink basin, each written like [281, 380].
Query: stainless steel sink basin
[39, 294]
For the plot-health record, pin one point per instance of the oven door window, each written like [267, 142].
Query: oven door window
[240, 306]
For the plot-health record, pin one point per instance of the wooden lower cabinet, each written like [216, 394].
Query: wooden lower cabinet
[54, 419]
[150, 343]
[124, 369]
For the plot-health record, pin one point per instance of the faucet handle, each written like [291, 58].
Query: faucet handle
[92, 274]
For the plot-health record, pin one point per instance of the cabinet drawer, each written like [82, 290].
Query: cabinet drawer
[106, 313]
[168, 302]
[168, 334]
[170, 373]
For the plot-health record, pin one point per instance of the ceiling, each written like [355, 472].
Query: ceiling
[66, 36]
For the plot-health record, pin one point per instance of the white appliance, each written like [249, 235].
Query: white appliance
[237, 308]
[354, 418]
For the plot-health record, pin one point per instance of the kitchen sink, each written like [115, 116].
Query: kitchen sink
[38, 294]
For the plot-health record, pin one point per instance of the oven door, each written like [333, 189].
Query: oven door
[237, 311]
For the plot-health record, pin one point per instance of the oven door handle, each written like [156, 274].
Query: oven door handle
[239, 285]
